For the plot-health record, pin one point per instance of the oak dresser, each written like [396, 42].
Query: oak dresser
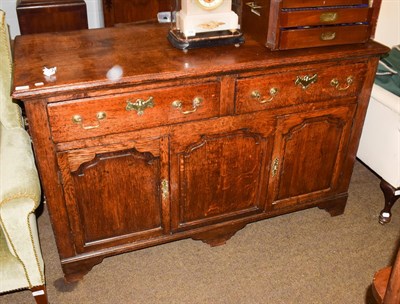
[139, 143]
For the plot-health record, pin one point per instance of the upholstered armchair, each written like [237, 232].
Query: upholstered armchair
[21, 263]
[380, 141]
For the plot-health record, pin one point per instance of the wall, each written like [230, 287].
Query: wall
[9, 6]
[388, 27]
[94, 11]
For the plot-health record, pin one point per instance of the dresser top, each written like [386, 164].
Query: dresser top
[144, 55]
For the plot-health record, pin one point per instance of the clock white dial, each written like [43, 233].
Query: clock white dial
[209, 4]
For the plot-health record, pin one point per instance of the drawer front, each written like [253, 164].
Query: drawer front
[323, 36]
[314, 3]
[303, 86]
[312, 17]
[86, 118]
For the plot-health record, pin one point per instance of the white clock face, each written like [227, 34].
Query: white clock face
[209, 4]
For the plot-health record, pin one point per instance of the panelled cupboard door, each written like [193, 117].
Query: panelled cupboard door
[309, 155]
[116, 193]
[219, 170]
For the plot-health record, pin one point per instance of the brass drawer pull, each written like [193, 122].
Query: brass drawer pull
[197, 101]
[326, 36]
[335, 83]
[306, 81]
[77, 119]
[140, 105]
[328, 17]
[257, 95]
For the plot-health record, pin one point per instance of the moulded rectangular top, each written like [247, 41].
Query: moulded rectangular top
[144, 55]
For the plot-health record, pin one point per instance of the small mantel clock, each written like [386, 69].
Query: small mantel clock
[202, 23]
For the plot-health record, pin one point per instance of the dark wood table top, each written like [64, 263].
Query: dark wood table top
[84, 57]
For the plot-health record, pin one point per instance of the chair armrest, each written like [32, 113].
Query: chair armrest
[18, 174]
[19, 197]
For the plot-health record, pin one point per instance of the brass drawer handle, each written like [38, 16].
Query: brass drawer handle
[77, 119]
[335, 83]
[139, 105]
[326, 36]
[257, 95]
[306, 81]
[328, 17]
[196, 103]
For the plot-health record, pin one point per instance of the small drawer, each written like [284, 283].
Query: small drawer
[323, 36]
[297, 24]
[323, 16]
[317, 3]
[86, 118]
[296, 87]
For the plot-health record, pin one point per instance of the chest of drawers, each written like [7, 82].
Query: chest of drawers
[185, 145]
[290, 24]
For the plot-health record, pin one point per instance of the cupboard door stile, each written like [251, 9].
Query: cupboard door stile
[117, 194]
[363, 101]
[227, 95]
[46, 161]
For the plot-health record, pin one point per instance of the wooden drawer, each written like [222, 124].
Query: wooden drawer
[295, 87]
[323, 36]
[316, 3]
[321, 16]
[86, 118]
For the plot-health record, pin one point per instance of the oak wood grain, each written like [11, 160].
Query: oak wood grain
[132, 181]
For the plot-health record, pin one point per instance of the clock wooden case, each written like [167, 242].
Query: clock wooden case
[290, 24]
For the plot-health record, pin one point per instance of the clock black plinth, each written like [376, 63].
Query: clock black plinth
[201, 40]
